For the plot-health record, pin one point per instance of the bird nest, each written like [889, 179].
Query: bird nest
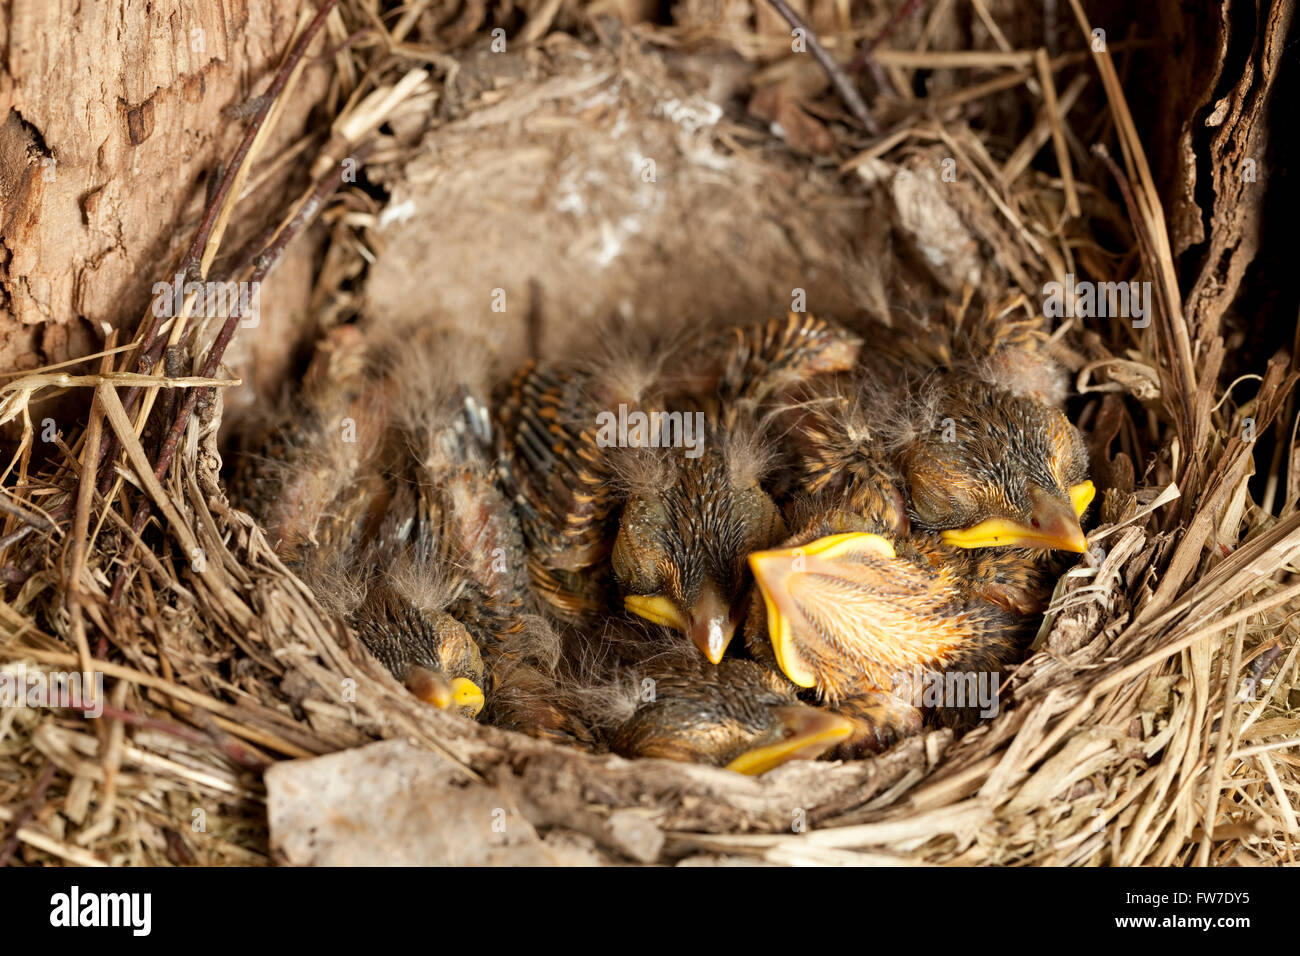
[575, 161]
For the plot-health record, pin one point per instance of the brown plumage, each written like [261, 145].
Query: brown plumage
[535, 689]
[992, 469]
[738, 715]
[865, 609]
[429, 651]
[763, 362]
[969, 412]
[649, 700]
[309, 475]
[379, 489]
[897, 474]
[663, 529]
[561, 489]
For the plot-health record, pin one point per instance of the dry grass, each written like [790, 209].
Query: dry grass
[1155, 723]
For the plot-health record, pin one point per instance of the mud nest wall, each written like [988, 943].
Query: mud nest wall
[375, 163]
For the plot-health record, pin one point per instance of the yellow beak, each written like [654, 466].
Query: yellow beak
[656, 610]
[466, 693]
[434, 689]
[1054, 525]
[776, 573]
[1081, 496]
[709, 625]
[806, 733]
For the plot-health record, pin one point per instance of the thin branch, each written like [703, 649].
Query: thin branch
[35, 519]
[839, 79]
[869, 45]
[214, 738]
[28, 811]
[264, 262]
[151, 344]
[15, 536]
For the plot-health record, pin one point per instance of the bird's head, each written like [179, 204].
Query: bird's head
[425, 647]
[992, 469]
[789, 732]
[459, 695]
[679, 557]
[452, 675]
[739, 715]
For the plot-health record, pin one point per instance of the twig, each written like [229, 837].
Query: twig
[81, 525]
[345, 43]
[1163, 270]
[35, 519]
[869, 45]
[151, 345]
[14, 537]
[1226, 724]
[839, 79]
[230, 747]
[28, 811]
[1183, 387]
[277, 739]
[1024, 154]
[1259, 667]
[1057, 128]
[264, 262]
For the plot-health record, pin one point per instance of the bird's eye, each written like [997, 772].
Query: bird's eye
[637, 558]
[759, 519]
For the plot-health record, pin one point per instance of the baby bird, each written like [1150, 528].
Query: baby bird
[384, 499]
[684, 531]
[617, 505]
[971, 414]
[306, 483]
[738, 714]
[431, 653]
[870, 612]
[995, 469]
[868, 622]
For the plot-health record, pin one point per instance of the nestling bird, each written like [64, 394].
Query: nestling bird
[658, 521]
[863, 608]
[383, 496]
[430, 652]
[684, 531]
[867, 621]
[894, 510]
[970, 415]
[307, 485]
[670, 703]
[995, 469]
[738, 715]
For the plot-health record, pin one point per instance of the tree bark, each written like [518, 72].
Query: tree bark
[114, 115]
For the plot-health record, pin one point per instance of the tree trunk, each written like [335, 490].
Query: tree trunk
[114, 115]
